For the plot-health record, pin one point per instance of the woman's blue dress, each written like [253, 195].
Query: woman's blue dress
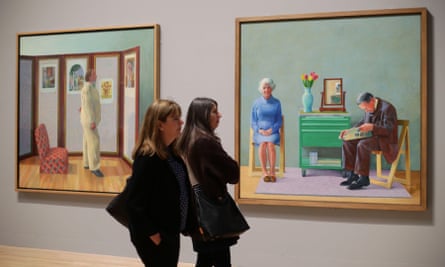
[266, 113]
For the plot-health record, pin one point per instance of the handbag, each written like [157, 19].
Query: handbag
[218, 218]
[117, 207]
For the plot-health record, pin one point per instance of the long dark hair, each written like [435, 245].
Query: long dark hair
[197, 123]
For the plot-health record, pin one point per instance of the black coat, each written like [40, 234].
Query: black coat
[153, 203]
[212, 166]
[213, 169]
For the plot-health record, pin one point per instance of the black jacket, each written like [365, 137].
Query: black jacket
[213, 169]
[153, 202]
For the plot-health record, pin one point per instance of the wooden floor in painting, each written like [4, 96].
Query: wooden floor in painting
[78, 179]
[32, 257]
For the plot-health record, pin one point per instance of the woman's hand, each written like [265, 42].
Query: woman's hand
[265, 132]
[156, 238]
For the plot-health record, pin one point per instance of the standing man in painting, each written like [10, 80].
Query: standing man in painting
[381, 119]
[90, 119]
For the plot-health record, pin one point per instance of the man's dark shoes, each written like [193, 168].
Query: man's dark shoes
[346, 173]
[351, 178]
[362, 181]
[98, 173]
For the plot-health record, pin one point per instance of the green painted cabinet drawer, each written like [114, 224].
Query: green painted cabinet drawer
[321, 139]
[324, 123]
[319, 136]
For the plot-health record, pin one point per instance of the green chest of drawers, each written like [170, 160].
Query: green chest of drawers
[319, 145]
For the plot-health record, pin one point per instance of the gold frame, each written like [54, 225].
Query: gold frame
[245, 190]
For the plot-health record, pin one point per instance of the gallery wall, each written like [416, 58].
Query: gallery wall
[198, 59]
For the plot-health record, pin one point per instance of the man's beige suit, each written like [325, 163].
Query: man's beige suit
[90, 115]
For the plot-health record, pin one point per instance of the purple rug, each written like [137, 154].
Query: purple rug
[325, 183]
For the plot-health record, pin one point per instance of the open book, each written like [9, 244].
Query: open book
[355, 133]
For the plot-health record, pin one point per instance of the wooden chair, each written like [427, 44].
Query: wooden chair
[252, 165]
[387, 180]
[52, 159]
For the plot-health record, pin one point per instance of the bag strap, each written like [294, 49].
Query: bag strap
[192, 178]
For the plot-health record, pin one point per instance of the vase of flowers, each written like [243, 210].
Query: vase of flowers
[307, 97]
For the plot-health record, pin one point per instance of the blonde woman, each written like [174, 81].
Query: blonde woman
[159, 190]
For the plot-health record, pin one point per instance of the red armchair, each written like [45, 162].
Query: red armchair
[52, 160]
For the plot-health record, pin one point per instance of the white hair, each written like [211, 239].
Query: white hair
[264, 81]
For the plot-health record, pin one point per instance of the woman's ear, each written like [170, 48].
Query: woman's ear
[160, 126]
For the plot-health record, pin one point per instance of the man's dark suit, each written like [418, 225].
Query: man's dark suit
[357, 153]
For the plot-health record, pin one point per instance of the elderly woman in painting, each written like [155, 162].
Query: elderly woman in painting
[266, 122]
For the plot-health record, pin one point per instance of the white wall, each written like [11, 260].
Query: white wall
[197, 59]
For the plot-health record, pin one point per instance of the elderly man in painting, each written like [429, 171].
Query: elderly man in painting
[90, 116]
[380, 119]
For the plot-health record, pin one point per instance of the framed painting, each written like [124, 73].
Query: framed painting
[48, 78]
[51, 74]
[130, 74]
[383, 52]
[106, 90]
[75, 69]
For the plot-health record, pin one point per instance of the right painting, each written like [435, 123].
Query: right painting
[301, 89]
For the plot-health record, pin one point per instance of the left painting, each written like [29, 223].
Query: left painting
[54, 85]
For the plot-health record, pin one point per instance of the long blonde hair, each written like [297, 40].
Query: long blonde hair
[149, 141]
